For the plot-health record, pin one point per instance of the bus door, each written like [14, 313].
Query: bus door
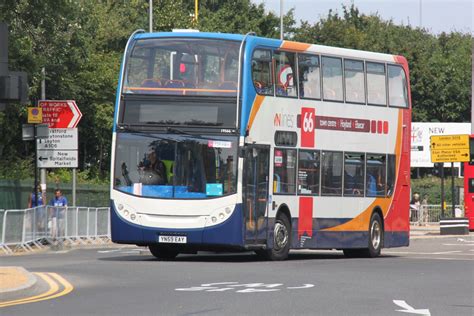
[255, 193]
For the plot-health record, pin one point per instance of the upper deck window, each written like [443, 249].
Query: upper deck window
[376, 89]
[332, 79]
[182, 66]
[397, 86]
[285, 74]
[355, 83]
[262, 71]
[309, 76]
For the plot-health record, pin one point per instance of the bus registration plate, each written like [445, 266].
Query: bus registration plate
[172, 239]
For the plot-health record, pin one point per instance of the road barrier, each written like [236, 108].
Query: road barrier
[426, 214]
[42, 226]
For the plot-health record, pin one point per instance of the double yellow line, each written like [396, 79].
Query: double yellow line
[54, 281]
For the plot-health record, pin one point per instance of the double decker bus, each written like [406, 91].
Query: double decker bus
[237, 142]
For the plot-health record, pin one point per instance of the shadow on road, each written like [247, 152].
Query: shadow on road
[238, 257]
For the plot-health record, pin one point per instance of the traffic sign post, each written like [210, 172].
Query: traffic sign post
[60, 150]
[449, 148]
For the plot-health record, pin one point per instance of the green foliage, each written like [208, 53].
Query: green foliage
[431, 187]
[80, 43]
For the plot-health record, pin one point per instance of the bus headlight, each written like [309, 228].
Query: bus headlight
[220, 215]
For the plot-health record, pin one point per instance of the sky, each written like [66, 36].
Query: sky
[436, 15]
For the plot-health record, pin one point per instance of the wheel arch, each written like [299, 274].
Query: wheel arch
[285, 210]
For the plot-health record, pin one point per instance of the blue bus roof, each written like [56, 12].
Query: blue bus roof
[225, 36]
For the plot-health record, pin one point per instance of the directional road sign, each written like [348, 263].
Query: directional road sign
[57, 159]
[449, 148]
[60, 139]
[60, 114]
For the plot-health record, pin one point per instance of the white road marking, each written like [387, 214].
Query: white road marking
[464, 240]
[109, 251]
[218, 283]
[196, 288]
[408, 309]
[252, 290]
[458, 244]
[221, 290]
[305, 286]
[248, 287]
[446, 252]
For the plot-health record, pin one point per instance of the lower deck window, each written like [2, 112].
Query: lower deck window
[284, 171]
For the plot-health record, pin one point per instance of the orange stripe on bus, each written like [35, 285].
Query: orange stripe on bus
[361, 221]
[255, 107]
[300, 47]
[178, 89]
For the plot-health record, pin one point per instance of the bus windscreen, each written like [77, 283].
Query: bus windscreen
[182, 66]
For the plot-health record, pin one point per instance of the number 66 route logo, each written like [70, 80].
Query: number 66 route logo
[307, 127]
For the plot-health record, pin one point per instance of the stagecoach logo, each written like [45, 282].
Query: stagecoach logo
[416, 134]
[284, 120]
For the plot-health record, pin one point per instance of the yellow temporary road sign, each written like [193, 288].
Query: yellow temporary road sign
[450, 148]
[451, 155]
[35, 115]
[449, 141]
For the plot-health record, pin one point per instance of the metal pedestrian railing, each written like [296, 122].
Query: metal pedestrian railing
[426, 214]
[27, 229]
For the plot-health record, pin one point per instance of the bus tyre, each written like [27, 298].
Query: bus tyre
[163, 253]
[281, 240]
[375, 236]
[375, 240]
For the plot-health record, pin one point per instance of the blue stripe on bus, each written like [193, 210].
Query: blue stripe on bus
[228, 233]
[249, 93]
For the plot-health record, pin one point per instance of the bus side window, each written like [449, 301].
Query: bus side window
[397, 86]
[375, 175]
[262, 71]
[308, 172]
[354, 174]
[355, 83]
[285, 74]
[309, 76]
[376, 88]
[332, 79]
[331, 173]
[391, 159]
[284, 170]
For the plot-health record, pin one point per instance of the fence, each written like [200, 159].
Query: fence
[427, 213]
[14, 194]
[27, 229]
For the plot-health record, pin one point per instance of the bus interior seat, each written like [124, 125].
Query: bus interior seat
[151, 83]
[228, 85]
[175, 84]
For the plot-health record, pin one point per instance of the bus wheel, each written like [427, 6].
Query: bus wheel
[163, 253]
[375, 236]
[375, 240]
[281, 240]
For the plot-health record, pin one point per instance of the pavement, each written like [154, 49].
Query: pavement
[16, 280]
